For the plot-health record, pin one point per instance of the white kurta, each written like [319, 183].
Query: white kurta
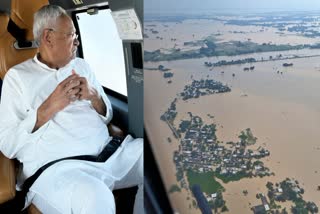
[76, 130]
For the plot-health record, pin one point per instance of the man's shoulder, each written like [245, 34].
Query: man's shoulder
[23, 66]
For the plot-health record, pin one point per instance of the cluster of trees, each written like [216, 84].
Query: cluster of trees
[247, 137]
[220, 49]
[251, 68]
[290, 193]
[287, 64]
[218, 203]
[232, 62]
[184, 125]
[305, 30]
[171, 113]
[162, 68]
[304, 208]
[167, 75]
[174, 188]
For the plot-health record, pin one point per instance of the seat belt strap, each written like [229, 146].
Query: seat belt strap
[108, 150]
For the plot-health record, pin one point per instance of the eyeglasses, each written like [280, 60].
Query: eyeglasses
[72, 35]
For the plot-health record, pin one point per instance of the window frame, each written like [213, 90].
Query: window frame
[155, 196]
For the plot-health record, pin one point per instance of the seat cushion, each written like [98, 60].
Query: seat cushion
[7, 179]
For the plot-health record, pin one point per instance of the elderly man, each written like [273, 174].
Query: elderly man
[53, 107]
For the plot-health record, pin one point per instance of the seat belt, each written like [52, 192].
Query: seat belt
[15, 205]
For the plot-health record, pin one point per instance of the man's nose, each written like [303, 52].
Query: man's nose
[76, 42]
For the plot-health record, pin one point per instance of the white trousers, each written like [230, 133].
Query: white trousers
[83, 187]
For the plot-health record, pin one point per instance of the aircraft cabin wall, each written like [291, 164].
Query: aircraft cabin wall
[134, 68]
[5, 6]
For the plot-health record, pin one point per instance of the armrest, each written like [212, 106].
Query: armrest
[7, 179]
[115, 130]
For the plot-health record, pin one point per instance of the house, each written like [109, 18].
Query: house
[223, 171]
[296, 189]
[257, 167]
[259, 209]
[292, 182]
[265, 203]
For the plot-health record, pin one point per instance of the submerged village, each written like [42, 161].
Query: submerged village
[203, 163]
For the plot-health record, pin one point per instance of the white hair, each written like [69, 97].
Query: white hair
[46, 17]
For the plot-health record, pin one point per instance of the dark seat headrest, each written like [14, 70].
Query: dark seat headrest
[0, 87]
[22, 14]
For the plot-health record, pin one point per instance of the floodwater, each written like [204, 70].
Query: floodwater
[281, 108]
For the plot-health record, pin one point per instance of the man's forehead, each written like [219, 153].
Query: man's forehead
[65, 23]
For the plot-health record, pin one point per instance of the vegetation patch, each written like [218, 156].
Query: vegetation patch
[229, 177]
[212, 48]
[174, 188]
[247, 137]
[206, 181]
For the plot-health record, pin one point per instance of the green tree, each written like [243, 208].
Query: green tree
[219, 202]
[270, 186]
[224, 209]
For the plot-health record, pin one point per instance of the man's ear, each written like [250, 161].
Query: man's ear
[47, 38]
